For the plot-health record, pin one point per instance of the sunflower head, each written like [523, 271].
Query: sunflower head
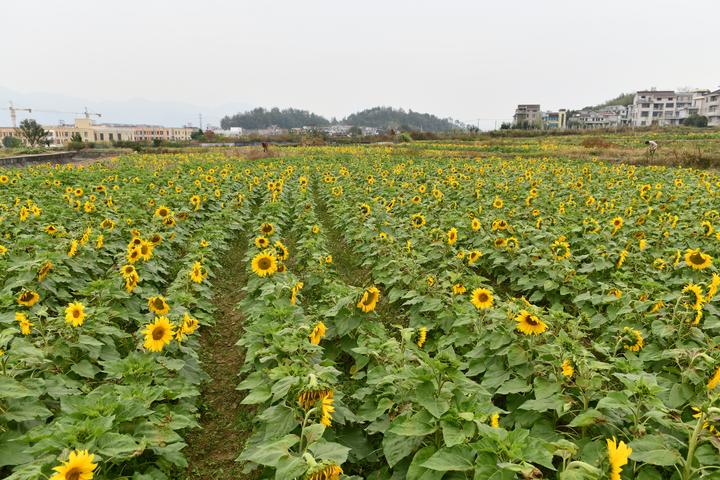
[369, 300]
[158, 334]
[697, 260]
[78, 466]
[482, 298]
[264, 264]
[158, 305]
[529, 323]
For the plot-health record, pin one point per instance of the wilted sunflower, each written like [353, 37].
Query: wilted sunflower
[632, 339]
[369, 300]
[317, 333]
[482, 298]
[78, 466]
[529, 324]
[158, 305]
[75, 314]
[44, 270]
[28, 298]
[158, 334]
[697, 260]
[697, 292]
[323, 471]
[264, 264]
[281, 250]
[327, 409]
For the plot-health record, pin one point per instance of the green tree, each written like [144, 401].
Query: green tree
[696, 120]
[33, 132]
[76, 142]
[11, 142]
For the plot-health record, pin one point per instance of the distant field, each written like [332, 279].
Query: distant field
[505, 308]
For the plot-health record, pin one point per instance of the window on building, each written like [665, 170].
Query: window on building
[644, 114]
[119, 137]
[670, 105]
[102, 137]
[645, 105]
[658, 105]
[110, 137]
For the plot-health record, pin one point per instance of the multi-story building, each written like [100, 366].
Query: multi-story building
[528, 116]
[60, 135]
[662, 107]
[612, 116]
[555, 120]
[707, 104]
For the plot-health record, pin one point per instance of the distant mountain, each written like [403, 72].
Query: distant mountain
[286, 118]
[131, 111]
[388, 117]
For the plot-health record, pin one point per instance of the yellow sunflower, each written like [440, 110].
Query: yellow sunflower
[618, 455]
[632, 339]
[317, 333]
[422, 336]
[324, 472]
[262, 242]
[418, 220]
[264, 264]
[369, 300]
[482, 298]
[267, 229]
[158, 334]
[78, 466]
[75, 314]
[158, 305]
[529, 324]
[567, 368]
[28, 298]
[458, 289]
[697, 260]
[198, 273]
[475, 224]
[452, 236]
[327, 409]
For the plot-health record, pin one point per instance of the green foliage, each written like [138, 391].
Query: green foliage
[696, 120]
[11, 142]
[263, 118]
[32, 132]
[387, 117]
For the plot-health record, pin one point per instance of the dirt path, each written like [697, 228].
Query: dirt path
[225, 422]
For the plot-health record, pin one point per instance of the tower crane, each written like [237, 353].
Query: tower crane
[13, 109]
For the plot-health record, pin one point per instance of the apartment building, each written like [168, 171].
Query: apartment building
[528, 116]
[555, 120]
[707, 104]
[661, 107]
[60, 135]
[612, 116]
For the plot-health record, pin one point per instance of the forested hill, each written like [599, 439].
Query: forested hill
[262, 118]
[387, 117]
[378, 117]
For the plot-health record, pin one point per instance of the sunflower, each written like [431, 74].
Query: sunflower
[422, 336]
[315, 229]
[3, 250]
[145, 250]
[500, 242]
[294, 292]
[267, 229]
[713, 288]
[44, 270]
[198, 273]
[328, 259]
[560, 249]
[24, 322]
[262, 242]
[498, 202]
[51, 230]
[317, 333]
[634, 336]
[369, 300]
[158, 334]
[707, 228]
[529, 324]
[617, 223]
[28, 298]
[473, 256]
[621, 258]
[495, 420]
[365, 209]
[73, 248]
[452, 236]
[418, 220]
[697, 260]
[475, 224]
[618, 455]
[458, 289]
[697, 292]
[482, 298]
[328, 471]
[327, 409]
[264, 264]
[714, 380]
[75, 314]
[188, 326]
[78, 466]
[158, 305]
[281, 250]
[567, 368]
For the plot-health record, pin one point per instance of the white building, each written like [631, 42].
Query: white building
[707, 104]
[613, 116]
[228, 132]
[662, 107]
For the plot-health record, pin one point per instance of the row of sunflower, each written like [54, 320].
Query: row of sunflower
[101, 295]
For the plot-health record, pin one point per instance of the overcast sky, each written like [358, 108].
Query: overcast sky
[464, 59]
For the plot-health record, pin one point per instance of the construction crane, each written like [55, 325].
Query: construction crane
[14, 109]
[13, 115]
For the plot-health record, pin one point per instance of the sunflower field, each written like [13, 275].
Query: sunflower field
[419, 312]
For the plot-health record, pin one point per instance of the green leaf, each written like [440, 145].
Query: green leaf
[418, 472]
[330, 451]
[425, 395]
[258, 394]
[419, 424]
[85, 369]
[653, 449]
[397, 447]
[587, 418]
[269, 453]
[290, 467]
[458, 459]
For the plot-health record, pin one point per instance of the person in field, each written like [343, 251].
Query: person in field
[652, 147]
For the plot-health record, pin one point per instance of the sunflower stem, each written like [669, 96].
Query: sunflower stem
[692, 444]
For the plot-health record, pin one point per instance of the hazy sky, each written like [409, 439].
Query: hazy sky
[465, 59]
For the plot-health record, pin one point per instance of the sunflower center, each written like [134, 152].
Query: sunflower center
[158, 304]
[264, 263]
[532, 320]
[483, 297]
[697, 258]
[76, 313]
[369, 299]
[158, 333]
[73, 474]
